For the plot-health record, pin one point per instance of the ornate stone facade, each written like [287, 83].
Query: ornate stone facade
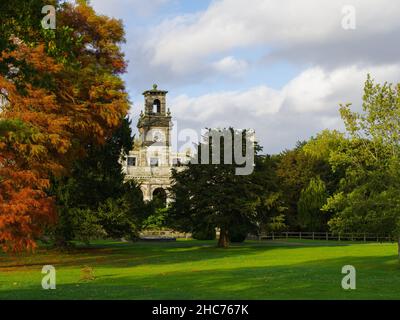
[151, 160]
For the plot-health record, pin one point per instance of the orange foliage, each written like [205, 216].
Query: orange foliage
[83, 104]
[25, 209]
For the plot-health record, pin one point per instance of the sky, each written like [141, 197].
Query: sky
[280, 67]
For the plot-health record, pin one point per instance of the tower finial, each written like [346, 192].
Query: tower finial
[155, 87]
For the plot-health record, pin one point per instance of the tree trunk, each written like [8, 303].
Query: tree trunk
[398, 246]
[223, 241]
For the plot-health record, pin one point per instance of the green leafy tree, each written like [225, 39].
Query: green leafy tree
[312, 198]
[96, 186]
[157, 220]
[86, 224]
[368, 199]
[295, 169]
[212, 195]
[118, 218]
[271, 208]
[277, 223]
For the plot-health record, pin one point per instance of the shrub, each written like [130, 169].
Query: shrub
[237, 235]
[204, 234]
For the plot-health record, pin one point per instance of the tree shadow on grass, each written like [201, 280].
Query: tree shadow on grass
[378, 277]
[118, 254]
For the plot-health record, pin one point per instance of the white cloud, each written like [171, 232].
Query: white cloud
[316, 90]
[183, 41]
[206, 48]
[258, 101]
[306, 105]
[231, 66]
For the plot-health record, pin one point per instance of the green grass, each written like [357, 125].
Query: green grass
[189, 269]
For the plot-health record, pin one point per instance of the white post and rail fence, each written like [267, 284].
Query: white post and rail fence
[364, 237]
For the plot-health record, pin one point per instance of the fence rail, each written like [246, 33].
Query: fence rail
[365, 237]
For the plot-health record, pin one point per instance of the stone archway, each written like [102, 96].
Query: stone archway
[159, 190]
[159, 194]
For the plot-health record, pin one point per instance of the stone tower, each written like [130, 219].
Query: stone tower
[155, 124]
[151, 160]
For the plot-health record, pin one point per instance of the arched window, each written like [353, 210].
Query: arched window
[156, 106]
[159, 198]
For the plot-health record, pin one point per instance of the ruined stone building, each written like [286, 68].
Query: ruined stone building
[151, 160]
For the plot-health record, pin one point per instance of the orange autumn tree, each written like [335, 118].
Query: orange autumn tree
[24, 207]
[31, 139]
[60, 92]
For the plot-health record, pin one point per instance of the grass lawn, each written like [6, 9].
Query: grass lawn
[188, 269]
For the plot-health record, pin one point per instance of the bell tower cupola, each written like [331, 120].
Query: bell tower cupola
[155, 101]
[155, 123]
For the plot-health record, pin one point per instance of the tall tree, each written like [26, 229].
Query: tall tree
[295, 169]
[271, 209]
[61, 91]
[312, 198]
[368, 199]
[94, 200]
[212, 195]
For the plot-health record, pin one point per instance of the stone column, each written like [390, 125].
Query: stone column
[147, 195]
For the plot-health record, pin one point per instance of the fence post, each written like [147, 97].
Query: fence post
[273, 236]
[300, 235]
[339, 236]
[327, 236]
[365, 237]
[287, 236]
[313, 235]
